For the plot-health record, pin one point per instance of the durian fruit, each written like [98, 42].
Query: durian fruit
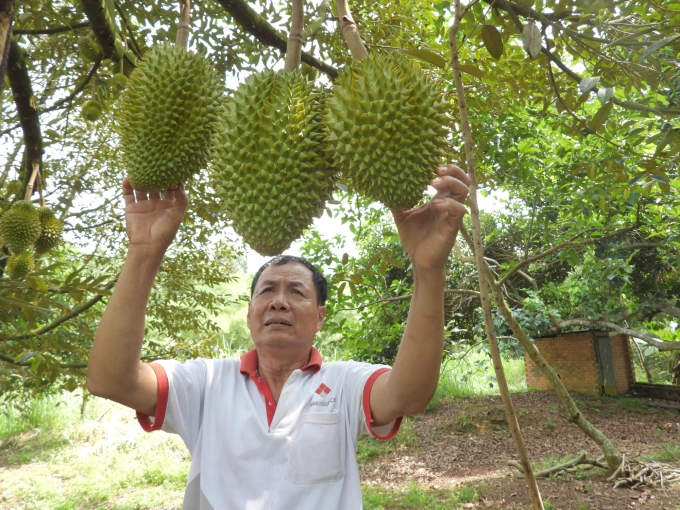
[92, 110]
[167, 118]
[270, 169]
[20, 226]
[20, 265]
[88, 49]
[50, 236]
[386, 128]
[118, 82]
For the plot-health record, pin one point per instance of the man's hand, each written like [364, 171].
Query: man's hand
[151, 220]
[429, 232]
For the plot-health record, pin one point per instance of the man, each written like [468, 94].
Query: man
[276, 429]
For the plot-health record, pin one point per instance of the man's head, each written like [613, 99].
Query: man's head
[318, 279]
[286, 305]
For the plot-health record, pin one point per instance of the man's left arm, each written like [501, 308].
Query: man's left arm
[428, 234]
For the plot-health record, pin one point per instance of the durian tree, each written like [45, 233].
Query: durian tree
[572, 105]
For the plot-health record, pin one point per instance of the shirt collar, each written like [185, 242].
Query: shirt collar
[250, 362]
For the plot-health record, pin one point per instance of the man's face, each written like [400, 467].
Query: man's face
[283, 311]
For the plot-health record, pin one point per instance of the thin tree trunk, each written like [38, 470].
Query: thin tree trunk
[6, 16]
[478, 252]
[294, 46]
[611, 454]
[642, 361]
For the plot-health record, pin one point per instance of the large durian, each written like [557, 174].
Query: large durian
[167, 117]
[386, 128]
[20, 265]
[270, 168]
[50, 235]
[20, 226]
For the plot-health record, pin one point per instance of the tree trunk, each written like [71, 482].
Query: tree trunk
[6, 15]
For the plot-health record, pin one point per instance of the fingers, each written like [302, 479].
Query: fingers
[448, 186]
[128, 192]
[455, 172]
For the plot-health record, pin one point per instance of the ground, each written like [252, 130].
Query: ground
[453, 456]
[467, 443]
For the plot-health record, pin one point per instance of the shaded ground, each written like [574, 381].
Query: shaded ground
[467, 442]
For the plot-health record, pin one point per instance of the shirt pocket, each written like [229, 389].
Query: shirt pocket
[317, 454]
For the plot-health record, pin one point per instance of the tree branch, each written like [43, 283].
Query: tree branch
[104, 28]
[56, 323]
[6, 18]
[259, 27]
[604, 324]
[559, 246]
[55, 30]
[77, 90]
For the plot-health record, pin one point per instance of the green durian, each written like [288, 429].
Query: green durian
[20, 265]
[386, 128]
[20, 226]
[118, 82]
[270, 168]
[167, 117]
[50, 235]
[88, 49]
[92, 110]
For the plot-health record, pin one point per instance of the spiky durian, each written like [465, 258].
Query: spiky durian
[50, 235]
[167, 117]
[270, 169]
[20, 265]
[386, 127]
[20, 226]
[88, 49]
[118, 82]
[92, 110]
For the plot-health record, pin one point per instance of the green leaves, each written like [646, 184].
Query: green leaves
[600, 117]
[493, 41]
[531, 39]
[427, 56]
[658, 45]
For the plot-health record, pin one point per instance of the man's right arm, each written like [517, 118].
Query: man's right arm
[115, 370]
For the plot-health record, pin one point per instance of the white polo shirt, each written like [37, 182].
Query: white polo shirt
[248, 452]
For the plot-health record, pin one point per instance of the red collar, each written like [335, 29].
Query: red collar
[250, 362]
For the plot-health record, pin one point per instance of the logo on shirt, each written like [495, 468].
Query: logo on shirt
[323, 390]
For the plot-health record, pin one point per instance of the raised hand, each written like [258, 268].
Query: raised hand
[429, 232]
[150, 220]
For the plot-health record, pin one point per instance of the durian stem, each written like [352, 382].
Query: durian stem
[31, 182]
[183, 28]
[41, 186]
[294, 46]
[478, 252]
[349, 30]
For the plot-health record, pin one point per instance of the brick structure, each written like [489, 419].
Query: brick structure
[590, 361]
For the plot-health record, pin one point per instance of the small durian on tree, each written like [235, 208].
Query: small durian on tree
[20, 265]
[167, 118]
[88, 49]
[50, 235]
[387, 128]
[20, 226]
[92, 110]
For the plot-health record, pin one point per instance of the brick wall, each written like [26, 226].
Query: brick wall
[574, 358]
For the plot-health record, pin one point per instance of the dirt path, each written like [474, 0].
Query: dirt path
[467, 443]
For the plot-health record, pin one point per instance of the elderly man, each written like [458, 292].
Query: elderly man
[278, 428]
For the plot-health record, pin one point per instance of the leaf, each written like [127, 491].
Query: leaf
[531, 39]
[473, 70]
[588, 84]
[493, 41]
[658, 44]
[356, 278]
[395, 262]
[341, 288]
[605, 94]
[599, 117]
[428, 56]
[345, 258]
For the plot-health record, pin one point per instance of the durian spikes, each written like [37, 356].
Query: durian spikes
[167, 117]
[20, 227]
[270, 169]
[386, 129]
[20, 265]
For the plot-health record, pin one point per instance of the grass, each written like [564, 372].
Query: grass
[417, 497]
[474, 376]
[667, 452]
[369, 447]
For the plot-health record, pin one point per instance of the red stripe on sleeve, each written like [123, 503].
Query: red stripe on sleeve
[161, 401]
[367, 407]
